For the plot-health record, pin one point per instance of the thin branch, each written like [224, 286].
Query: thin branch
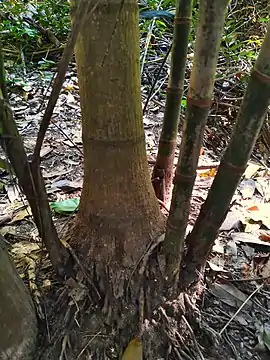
[3, 88]
[240, 308]
[156, 78]
[81, 12]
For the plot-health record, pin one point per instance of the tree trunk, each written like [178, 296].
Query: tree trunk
[232, 166]
[117, 197]
[208, 37]
[163, 171]
[18, 330]
[119, 215]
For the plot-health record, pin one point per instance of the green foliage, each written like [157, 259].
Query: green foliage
[13, 25]
[242, 37]
[45, 64]
[14, 80]
[244, 30]
[18, 19]
[65, 207]
[55, 16]
[184, 102]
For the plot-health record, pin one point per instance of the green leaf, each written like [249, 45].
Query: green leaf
[66, 206]
[46, 64]
[263, 20]
[184, 103]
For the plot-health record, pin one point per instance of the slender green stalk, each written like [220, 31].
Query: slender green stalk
[163, 170]
[210, 25]
[156, 78]
[148, 39]
[233, 164]
[3, 87]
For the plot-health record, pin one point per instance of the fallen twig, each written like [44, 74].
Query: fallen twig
[199, 167]
[240, 308]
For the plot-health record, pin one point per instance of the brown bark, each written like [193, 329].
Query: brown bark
[18, 330]
[119, 214]
[117, 197]
[119, 217]
[120, 283]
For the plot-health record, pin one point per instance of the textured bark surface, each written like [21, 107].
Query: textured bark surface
[119, 216]
[18, 330]
[208, 37]
[163, 171]
[118, 212]
[32, 183]
[118, 293]
[232, 166]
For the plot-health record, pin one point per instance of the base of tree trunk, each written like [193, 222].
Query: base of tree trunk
[94, 320]
[82, 330]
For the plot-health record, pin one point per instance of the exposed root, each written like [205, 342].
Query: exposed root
[193, 338]
[83, 326]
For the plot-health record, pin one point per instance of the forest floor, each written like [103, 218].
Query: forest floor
[236, 300]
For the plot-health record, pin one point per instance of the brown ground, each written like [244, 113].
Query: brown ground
[226, 286]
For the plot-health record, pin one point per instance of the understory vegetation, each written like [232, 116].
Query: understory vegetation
[34, 32]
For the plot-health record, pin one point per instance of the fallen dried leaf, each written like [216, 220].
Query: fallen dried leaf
[20, 215]
[216, 268]
[133, 350]
[264, 236]
[247, 188]
[230, 295]
[210, 173]
[251, 170]
[249, 238]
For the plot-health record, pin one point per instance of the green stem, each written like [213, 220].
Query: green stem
[210, 25]
[233, 164]
[163, 170]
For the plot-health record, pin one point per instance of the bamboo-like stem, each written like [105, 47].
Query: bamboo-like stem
[210, 25]
[33, 186]
[3, 87]
[163, 170]
[30, 180]
[233, 164]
